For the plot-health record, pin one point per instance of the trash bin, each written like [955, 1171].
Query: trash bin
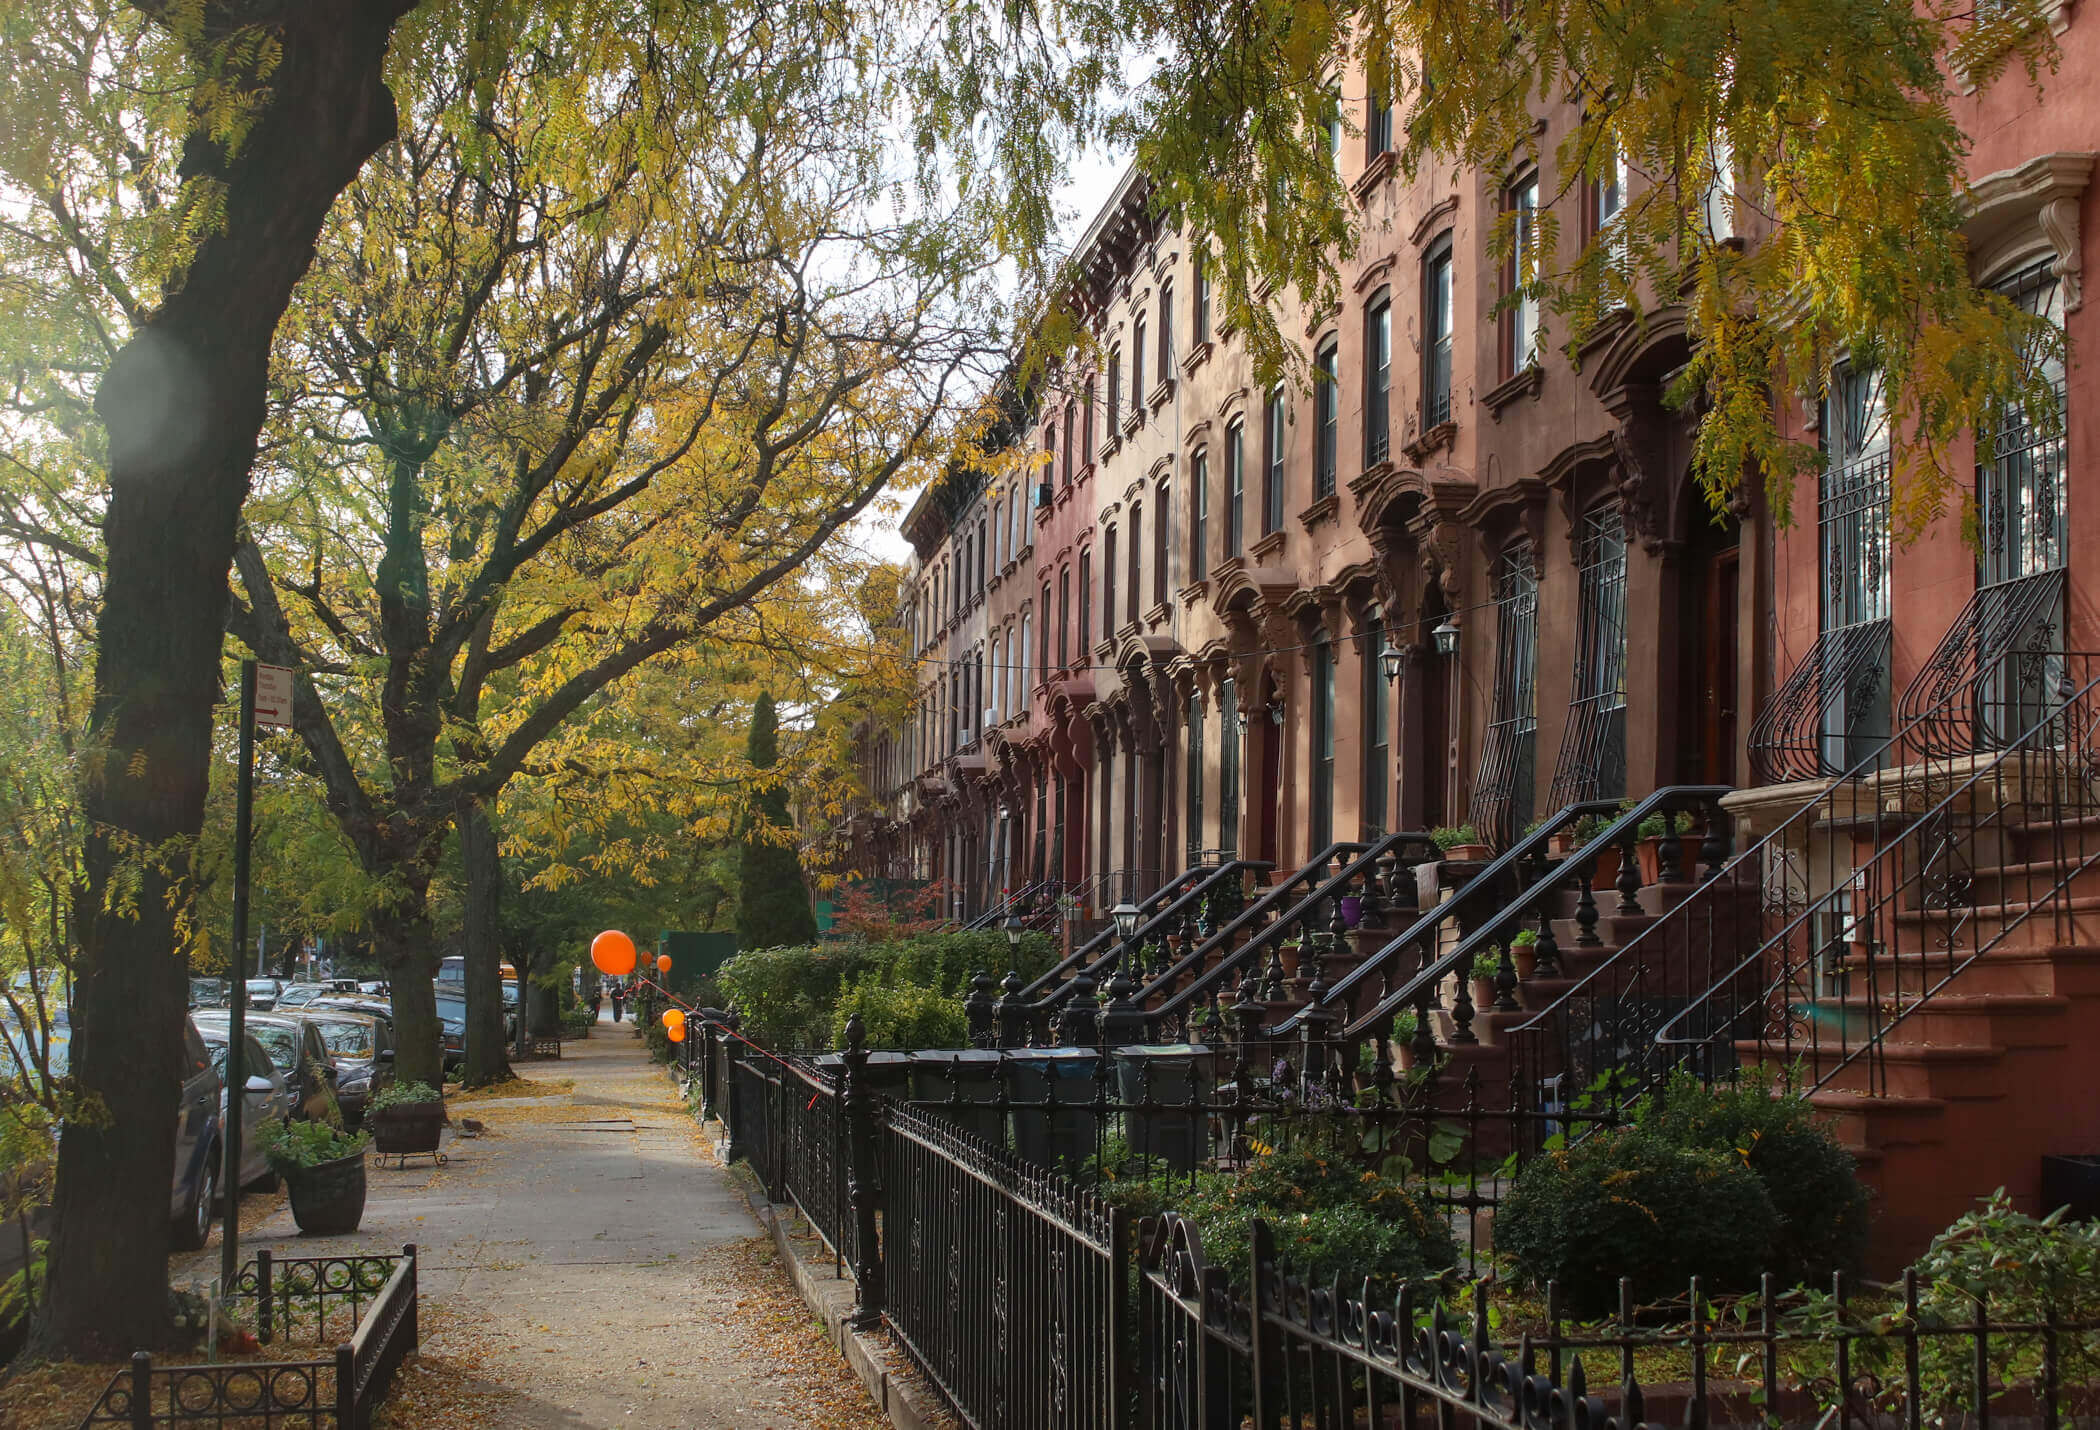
[1052, 1113]
[1173, 1082]
[962, 1086]
[2072, 1182]
[888, 1073]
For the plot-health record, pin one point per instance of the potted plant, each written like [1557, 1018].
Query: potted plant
[406, 1120]
[1459, 842]
[1292, 954]
[1654, 829]
[324, 1169]
[1486, 964]
[1523, 951]
[1403, 1038]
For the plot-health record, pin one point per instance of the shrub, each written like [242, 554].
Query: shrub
[791, 997]
[291, 1146]
[901, 1015]
[1450, 836]
[1625, 1202]
[1810, 1179]
[1330, 1217]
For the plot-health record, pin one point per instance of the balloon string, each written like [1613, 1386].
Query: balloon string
[689, 1010]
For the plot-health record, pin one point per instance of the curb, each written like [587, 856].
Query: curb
[831, 1302]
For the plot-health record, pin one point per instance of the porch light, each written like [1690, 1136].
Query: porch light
[1389, 661]
[1446, 637]
[1126, 916]
[1013, 927]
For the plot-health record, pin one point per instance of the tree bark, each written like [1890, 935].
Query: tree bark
[487, 1060]
[183, 403]
[404, 943]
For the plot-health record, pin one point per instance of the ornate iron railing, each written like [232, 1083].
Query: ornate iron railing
[338, 1391]
[1004, 1282]
[2000, 657]
[1833, 705]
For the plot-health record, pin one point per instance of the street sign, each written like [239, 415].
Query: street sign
[273, 696]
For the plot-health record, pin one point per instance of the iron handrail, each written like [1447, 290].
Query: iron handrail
[1991, 765]
[1107, 945]
[1022, 897]
[1201, 987]
[1256, 910]
[1077, 958]
[1621, 829]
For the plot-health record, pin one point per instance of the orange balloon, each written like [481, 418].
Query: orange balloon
[663, 963]
[674, 1018]
[676, 1034]
[613, 952]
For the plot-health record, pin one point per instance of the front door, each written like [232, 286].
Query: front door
[1708, 704]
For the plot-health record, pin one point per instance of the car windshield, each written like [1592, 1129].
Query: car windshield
[262, 985]
[452, 1012]
[299, 993]
[346, 1039]
[282, 1044]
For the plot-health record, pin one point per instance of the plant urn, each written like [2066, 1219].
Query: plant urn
[1606, 876]
[1650, 854]
[328, 1199]
[1470, 853]
[1483, 994]
[1526, 958]
[1561, 845]
[406, 1128]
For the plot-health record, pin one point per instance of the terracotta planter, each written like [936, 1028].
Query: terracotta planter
[1291, 954]
[1651, 857]
[1561, 845]
[328, 1200]
[1607, 874]
[407, 1129]
[1469, 853]
[1526, 958]
[1483, 994]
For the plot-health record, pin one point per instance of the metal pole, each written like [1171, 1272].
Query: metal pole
[237, 1013]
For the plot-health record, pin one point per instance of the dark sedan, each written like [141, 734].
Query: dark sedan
[362, 1048]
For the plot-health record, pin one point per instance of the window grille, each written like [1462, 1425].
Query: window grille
[1592, 762]
[1505, 789]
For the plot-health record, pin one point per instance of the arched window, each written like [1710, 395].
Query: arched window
[1199, 514]
[1327, 417]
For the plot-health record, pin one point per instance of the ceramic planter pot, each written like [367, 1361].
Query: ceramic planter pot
[1469, 853]
[1483, 994]
[1607, 875]
[328, 1199]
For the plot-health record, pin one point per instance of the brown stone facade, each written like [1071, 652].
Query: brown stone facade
[1468, 580]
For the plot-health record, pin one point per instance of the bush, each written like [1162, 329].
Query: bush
[901, 1015]
[790, 997]
[1330, 1217]
[1810, 1179]
[1625, 1202]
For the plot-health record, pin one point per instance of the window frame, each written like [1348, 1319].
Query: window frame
[1327, 416]
[1199, 514]
[1378, 379]
[1520, 318]
[1439, 299]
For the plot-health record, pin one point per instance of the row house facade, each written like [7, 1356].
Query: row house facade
[1459, 577]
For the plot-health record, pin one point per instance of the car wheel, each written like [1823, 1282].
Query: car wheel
[194, 1229]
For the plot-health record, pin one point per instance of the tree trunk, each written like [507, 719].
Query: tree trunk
[542, 1005]
[405, 946]
[483, 946]
[183, 403]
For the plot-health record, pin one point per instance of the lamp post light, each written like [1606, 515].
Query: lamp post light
[1446, 637]
[1390, 660]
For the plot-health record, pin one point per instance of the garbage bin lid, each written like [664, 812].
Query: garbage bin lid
[1163, 1050]
[961, 1055]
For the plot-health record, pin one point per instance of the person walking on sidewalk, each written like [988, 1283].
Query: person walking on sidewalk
[619, 1000]
[597, 1001]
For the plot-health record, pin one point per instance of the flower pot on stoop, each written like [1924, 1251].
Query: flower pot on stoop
[328, 1199]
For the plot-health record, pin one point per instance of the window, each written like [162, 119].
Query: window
[1272, 477]
[1321, 833]
[1607, 202]
[1505, 789]
[1086, 425]
[1137, 364]
[1378, 382]
[1067, 473]
[1593, 743]
[1521, 322]
[1192, 804]
[1166, 330]
[1115, 390]
[1378, 131]
[993, 691]
[1136, 556]
[982, 526]
[1050, 452]
[1718, 203]
[1436, 325]
[1199, 315]
[1043, 656]
[2020, 493]
[1235, 488]
[1199, 514]
[1064, 616]
[1228, 768]
[1162, 543]
[1378, 723]
[1022, 652]
[1086, 599]
[1108, 584]
[1331, 126]
[1327, 414]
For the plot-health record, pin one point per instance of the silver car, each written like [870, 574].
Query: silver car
[269, 1099]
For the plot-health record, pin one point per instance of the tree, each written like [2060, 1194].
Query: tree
[772, 899]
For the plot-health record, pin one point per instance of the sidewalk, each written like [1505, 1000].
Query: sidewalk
[587, 1263]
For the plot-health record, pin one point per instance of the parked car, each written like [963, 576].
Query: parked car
[269, 1099]
[298, 995]
[452, 1018]
[262, 992]
[296, 1047]
[362, 1048]
[374, 987]
[207, 993]
[196, 1190]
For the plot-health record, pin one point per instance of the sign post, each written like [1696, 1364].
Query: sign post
[266, 699]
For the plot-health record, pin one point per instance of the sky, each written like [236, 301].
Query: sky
[1091, 182]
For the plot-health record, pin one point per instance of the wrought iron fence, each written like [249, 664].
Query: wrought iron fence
[336, 1391]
